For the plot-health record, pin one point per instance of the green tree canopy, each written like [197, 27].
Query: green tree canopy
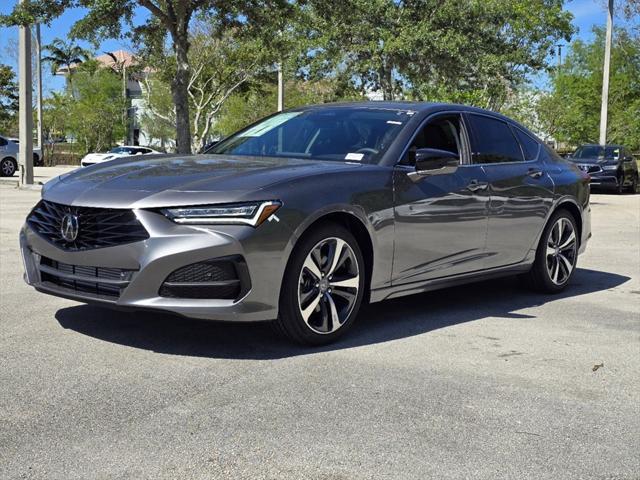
[64, 55]
[95, 109]
[8, 98]
[578, 87]
[169, 20]
[435, 49]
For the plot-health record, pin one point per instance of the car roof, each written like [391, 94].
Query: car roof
[422, 107]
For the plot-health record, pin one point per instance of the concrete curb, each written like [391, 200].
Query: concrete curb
[13, 182]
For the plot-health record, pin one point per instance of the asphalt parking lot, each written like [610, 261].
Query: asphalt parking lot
[481, 381]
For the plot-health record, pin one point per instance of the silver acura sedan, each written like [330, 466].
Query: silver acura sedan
[305, 215]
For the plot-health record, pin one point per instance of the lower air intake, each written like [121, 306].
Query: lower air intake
[223, 278]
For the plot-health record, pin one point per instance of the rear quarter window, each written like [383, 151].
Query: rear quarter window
[530, 147]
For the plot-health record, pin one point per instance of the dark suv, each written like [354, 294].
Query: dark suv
[609, 166]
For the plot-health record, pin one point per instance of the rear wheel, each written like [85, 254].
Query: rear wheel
[323, 286]
[8, 167]
[556, 255]
[633, 188]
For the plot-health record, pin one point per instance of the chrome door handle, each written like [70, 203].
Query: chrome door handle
[535, 173]
[475, 185]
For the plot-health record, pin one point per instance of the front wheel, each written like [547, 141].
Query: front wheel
[323, 286]
[556, 255]
[620, 184]
[8, 167]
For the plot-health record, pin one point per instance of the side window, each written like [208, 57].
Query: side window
[493, 141]
[3, 142]
[529, 146]
[442, 133]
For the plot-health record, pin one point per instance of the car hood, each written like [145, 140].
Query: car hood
[158, 181]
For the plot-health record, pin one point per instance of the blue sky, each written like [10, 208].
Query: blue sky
[587, 13]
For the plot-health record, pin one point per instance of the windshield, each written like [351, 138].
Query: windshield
[123, 150]
[596, 151]
[360, 134]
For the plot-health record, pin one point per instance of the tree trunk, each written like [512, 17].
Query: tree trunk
[179, 92]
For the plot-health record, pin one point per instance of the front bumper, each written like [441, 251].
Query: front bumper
[604, 179]
[169, 247]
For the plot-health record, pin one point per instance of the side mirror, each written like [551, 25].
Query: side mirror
[431, 161]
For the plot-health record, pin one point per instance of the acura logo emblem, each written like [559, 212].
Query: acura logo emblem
[69, 227]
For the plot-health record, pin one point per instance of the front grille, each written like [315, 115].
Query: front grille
[213, 279]
[97, 227]
[98, 281]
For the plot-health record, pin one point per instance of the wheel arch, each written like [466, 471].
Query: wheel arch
[575, 212]
[358, 228]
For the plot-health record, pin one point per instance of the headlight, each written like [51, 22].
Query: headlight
[231, 214]
[610, 167]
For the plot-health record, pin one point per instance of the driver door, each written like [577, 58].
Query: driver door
[441, 218]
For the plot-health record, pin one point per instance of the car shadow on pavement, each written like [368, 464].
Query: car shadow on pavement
[377, 323]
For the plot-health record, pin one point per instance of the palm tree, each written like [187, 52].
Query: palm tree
[64, 55]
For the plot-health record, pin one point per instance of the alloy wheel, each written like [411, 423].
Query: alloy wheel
[561, 251]
[8, 168]
[328, 285]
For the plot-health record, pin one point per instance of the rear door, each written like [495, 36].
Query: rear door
[520, 190]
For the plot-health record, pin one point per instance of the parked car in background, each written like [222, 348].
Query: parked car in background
[9, 149]
[306, 214]
[610, 166]
[117, 152]
[37, 153]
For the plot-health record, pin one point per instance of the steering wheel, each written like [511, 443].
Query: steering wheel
[368, 150]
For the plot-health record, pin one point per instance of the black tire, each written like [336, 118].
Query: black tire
[620, 185]
[633, 188]
[37, 162]
[539, 277]
[8, 167]
[290, 320]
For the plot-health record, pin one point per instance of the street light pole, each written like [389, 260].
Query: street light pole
[39, 85]
[280, 88]
[25, 126]
[605, 76]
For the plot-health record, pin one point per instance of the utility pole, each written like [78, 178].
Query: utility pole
[280, 88]
[25, 126]
[605, 76]
[39, 86]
